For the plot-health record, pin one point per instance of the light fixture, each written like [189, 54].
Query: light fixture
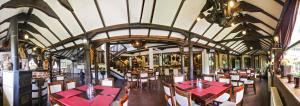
[244, 32]
[251, 48]
[137, 44]
[84, 40]
[276, 39]
[231, 3]
[198, 18]
[26, 36]
[269, 52]
[232, 24]
[34, 49]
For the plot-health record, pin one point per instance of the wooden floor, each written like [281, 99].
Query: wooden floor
[154, 96]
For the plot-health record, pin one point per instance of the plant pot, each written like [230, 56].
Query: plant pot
[290, 78]
[297, 82]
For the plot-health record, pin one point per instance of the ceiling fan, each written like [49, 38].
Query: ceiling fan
[221, 12]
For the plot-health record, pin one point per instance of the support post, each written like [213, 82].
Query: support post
[87, 73]
[191, 57]
[96, 64]
[182, 58]
[228, 61]
[13, 29]
[59, 66]
[150, 58]
[50, 67]
[107, 58]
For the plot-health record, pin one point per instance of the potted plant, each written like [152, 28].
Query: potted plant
[290, 77]
[297, 79]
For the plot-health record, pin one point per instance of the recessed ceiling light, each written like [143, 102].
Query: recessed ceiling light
[244, 32]
[251, 48]
[26, 36]
[232, 24]
[231, 3]
[198, 18]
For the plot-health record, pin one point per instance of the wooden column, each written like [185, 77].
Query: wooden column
[87, 67]
[107, 58]
[191, 58]
[182, 58]
[59, 66]
[96, 64]
[241, 62]
[228, 61]
[50, 67]
[13, 31]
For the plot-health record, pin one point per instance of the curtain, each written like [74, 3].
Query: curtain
[286, 27]
[288, 22]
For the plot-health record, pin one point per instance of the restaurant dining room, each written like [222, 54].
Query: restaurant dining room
[149, 53]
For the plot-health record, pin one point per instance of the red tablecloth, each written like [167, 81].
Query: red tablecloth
[78, 96]
[204, 91]
[68, 93]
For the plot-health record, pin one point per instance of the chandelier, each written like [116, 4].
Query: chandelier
[222, 13]
[137, 43]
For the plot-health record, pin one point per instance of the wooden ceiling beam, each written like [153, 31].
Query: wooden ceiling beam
[247, 38]
[152, 14]
[176, 15]
[101, 16]
[37, 4]
[142, 11]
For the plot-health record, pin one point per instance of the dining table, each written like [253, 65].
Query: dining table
[102, 96]
[204, 92]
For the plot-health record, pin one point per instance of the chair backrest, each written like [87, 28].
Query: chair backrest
[208, 78]
[35, 89]
[124, 100]
[167, 89]
[128, 75]
[224, 80]
[175, 72]
[45, 88]
[55, 87]
[235, 77]
[166, 71]
[248, 71]
[183, 98]
[239, 94]
[70, 85]
[143, 75]
[178, 79]
[127, 89]
[107, 82]
[60, 78]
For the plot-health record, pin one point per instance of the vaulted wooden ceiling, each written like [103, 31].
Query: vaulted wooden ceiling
[60, 24]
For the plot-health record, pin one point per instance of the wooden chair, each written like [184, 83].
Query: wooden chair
[235, 80]
[144, 78]
[124, 100]
[70, 84]
[154, 78]
[239, 95]
[133, 80]
[226, 96]
[178, 79]
[208, 77]
[107, 82]
[167, 74]
[169, 93]
[249, 82]
[183, 98]
[54, 87]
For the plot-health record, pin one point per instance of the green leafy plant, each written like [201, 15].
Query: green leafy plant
[296, 74]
